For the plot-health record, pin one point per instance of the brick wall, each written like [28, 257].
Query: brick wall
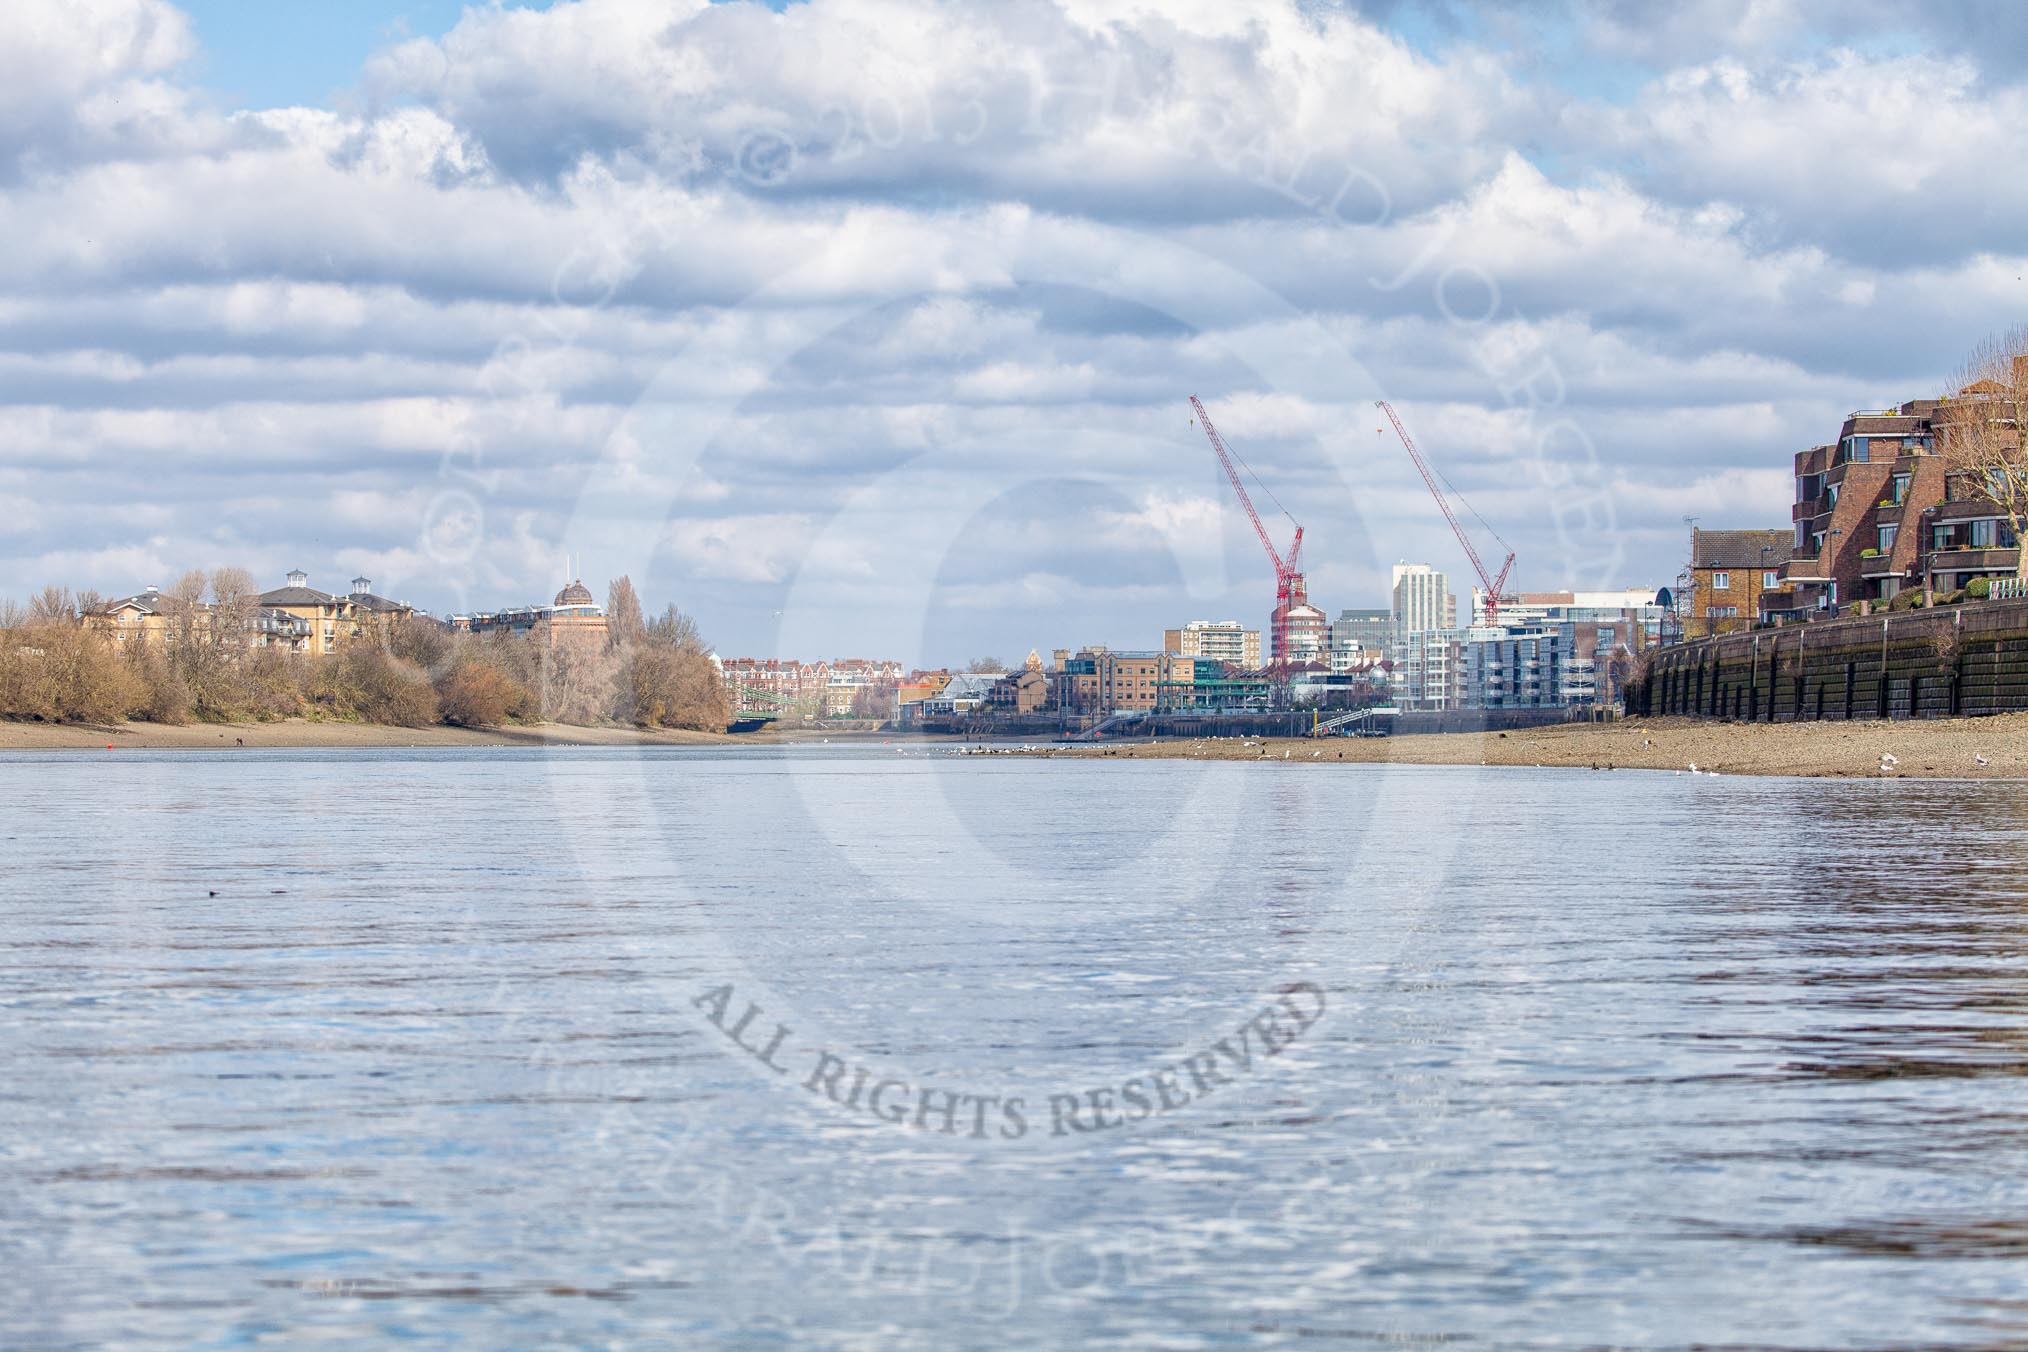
[1969, 659]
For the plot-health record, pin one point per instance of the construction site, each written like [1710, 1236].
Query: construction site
[1510, 659]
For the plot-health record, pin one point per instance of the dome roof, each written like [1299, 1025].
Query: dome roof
[576, 594]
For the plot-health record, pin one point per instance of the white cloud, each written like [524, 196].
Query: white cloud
[440, 303]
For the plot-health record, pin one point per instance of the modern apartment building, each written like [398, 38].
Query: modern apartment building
[1424, 646]
[1515, 667]
[1422, 599]
[1360, 638]
[1225, 640]
[1429, 672]
[1559, 649]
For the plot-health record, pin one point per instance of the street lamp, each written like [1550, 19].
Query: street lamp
[1830, 601]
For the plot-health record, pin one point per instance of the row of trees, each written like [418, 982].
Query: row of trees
[206, 665]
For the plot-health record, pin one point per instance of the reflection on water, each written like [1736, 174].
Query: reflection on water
[366, 1046]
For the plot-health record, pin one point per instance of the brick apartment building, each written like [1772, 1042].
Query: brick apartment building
[1099, 680]
[1882, 511]
[1734, 576]
[1859, 509]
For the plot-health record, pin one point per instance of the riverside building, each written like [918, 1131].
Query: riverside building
[1223, 640]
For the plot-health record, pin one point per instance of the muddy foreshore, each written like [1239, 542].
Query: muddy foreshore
[1967, 748]
[1963, 748]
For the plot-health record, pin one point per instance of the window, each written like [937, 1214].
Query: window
[1898, 493]
[1723, 612]
[1832, 493]
[1605, 638]
[1979, 534]
[1887, 534]
[1855, 451]
[1770, 579]
[1721, 582]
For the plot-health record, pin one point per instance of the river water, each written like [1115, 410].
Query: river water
[866, 1047]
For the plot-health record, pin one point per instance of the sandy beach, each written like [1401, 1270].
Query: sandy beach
[1942, 749]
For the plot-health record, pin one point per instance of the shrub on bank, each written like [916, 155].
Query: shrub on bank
[1979, 589]
[56, 671]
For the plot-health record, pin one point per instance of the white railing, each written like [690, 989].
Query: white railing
[2008, 589]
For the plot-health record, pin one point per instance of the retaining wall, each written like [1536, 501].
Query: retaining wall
[1938, 663]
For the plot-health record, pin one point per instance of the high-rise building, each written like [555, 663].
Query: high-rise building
[1422, 599]
[1224, 640]
[1424, 644]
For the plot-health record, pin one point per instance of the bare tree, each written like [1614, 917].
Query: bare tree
[624, 624]
[52, 603]
[673, 629]
[986, 666]
[234, 600]
[1982, 443]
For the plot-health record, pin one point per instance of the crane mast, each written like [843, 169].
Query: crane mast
[1290, 589]
[1492, 583]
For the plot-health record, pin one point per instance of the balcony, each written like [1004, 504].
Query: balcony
[1811, 507]
[1964, 509]
[1973, 560]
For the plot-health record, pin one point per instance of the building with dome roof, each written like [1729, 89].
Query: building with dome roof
[574, 617]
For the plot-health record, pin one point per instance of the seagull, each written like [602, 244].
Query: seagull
[1693, 768]
[1889, 758]
[1979, 758]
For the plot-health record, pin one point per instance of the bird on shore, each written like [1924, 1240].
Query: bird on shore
[1889, 758]
[1979, 758]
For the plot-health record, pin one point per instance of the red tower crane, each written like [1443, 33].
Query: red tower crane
[1492, 584]
[1290, 589]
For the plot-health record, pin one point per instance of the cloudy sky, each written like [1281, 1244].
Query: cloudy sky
[867, 326]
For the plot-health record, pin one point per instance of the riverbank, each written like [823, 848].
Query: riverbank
[1936, 749]
[301, 734]
[1939, 749]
